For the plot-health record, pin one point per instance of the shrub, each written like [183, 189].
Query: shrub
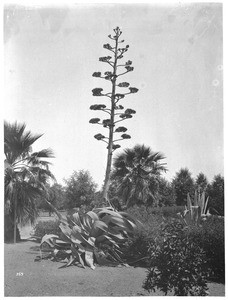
[210, 237]
[177, 264]
[152, 218]
[46, 227]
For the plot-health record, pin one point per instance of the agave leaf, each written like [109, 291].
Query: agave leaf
[92, 215]
[89, 259]
[61, 244]
[89, 242]
[81, 249]
[205, 206]
[118, 236]
[187, 217]
[121, 222]
[108, 212]
[101, 225]
[195, 213]
[69, 263]
[87, 222]
[98, 228]
[77, 228]
[77, 256]
[55, 252]
[132, 224]
[49, 238]
[201, 202]
[76, 219]
[129, 217]
[77, 237]
[189, 203]
[105, 238]
[196, 202]
[65, 230]
[102, 260]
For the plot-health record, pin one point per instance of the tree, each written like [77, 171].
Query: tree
[183, 184]
[166, 193]
[80, 189]
[215, 191]
[26, 174]
[56, 196]
[114, 109]
[201, 183]
[136, 172]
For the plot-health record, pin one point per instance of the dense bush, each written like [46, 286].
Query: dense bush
[178, 264]
[210, 237]
[151, 218]
[46, 227]
[150, 221]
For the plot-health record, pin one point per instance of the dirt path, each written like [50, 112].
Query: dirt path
[24, 277]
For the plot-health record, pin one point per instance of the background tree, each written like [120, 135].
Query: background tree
[136, 173]
[80, 189]
[201, 183]
[114, 108]
[183, 184]
[56, 196]
[166, 193]
[26, 176]
[215, 191]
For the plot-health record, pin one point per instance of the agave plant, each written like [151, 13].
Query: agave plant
[196, 209]
[96, 236]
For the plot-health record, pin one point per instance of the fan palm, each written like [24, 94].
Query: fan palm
[136, 172]
[26, 174]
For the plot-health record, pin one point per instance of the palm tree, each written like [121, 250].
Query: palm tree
[136, 172]
[26, 174]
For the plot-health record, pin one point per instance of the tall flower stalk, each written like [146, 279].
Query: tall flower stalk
[115, 111]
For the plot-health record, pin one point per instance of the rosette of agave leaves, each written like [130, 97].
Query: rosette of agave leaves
[86, 239]
[196, 210]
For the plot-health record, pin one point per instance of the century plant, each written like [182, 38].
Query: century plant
[116, 112]
[97, 235]
[196, 210]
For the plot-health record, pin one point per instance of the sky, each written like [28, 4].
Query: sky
[50, 53]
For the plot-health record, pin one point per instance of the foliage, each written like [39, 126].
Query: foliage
[183, 184]
[114, 110]
[166, 193]
[26, 174]
[215, 191]
[80, 189]
[46, 227]
[177, 265]
[97, 236]
[55, 195]
[210, 237]
[201, 183]
[136, 174]
[196, 210]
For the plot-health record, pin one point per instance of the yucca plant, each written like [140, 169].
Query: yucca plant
[196, 210]
[96, 236]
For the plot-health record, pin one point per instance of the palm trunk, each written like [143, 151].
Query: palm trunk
[15, 221]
